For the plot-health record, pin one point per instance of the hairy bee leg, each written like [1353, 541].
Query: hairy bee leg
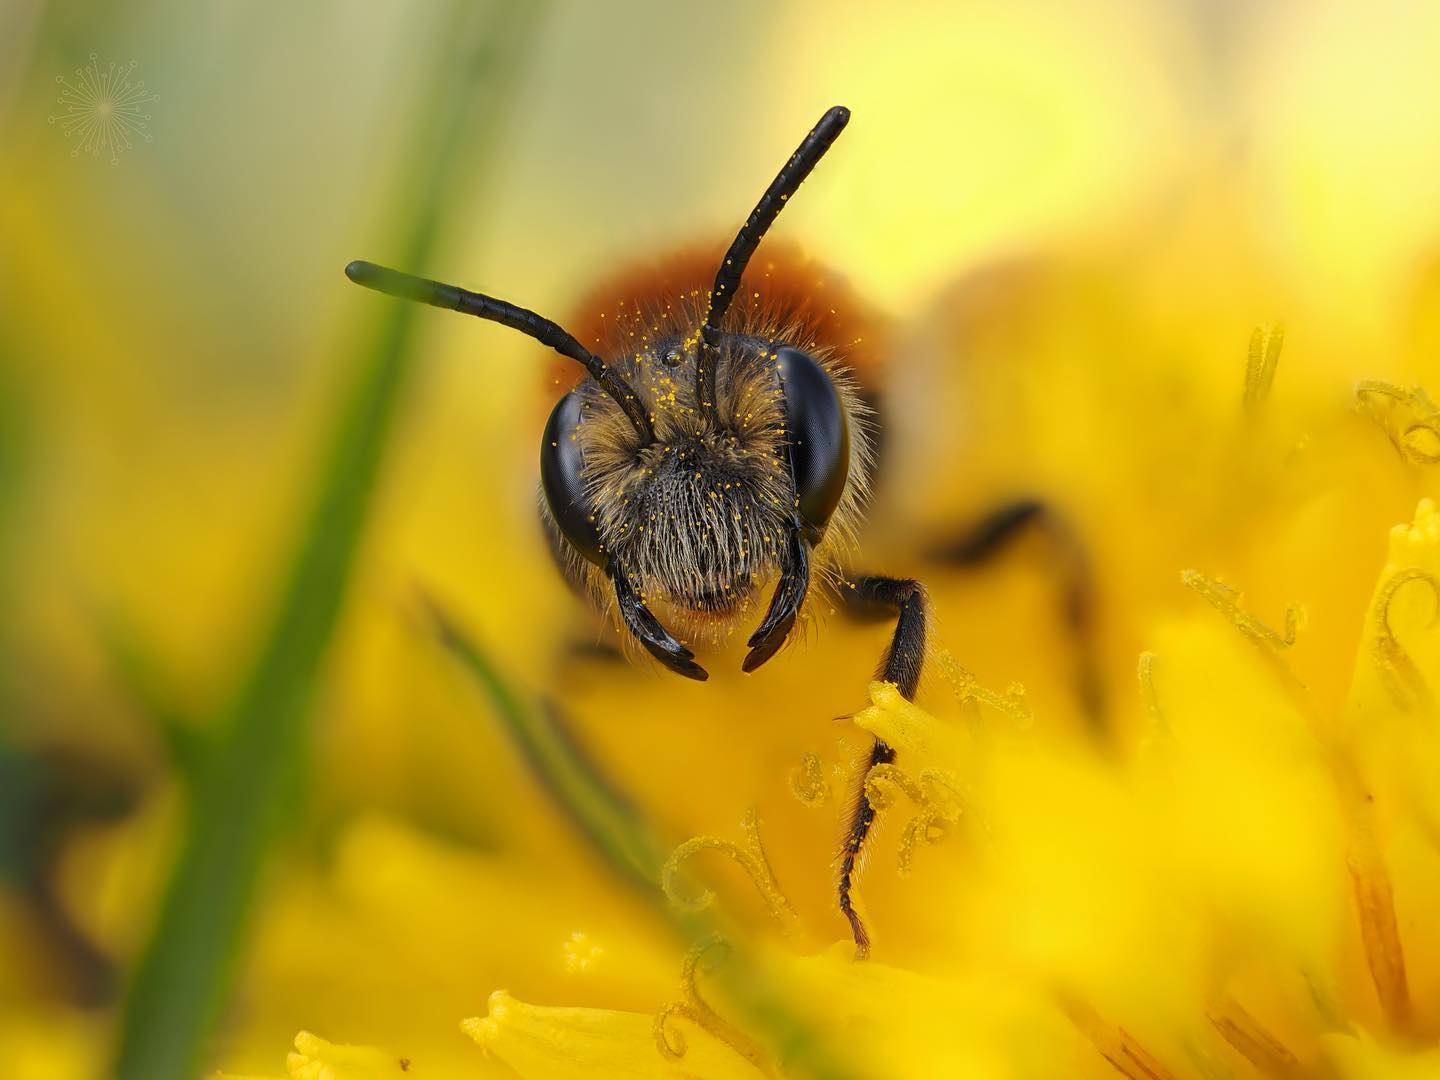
[785, 606]
[993, 534]
[903, 661]
[649, 632]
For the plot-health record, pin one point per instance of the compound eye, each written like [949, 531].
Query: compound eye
[561, 468]
[819, 437]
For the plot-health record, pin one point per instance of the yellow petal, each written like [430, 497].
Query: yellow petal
[561, 1043]
[316, 1059]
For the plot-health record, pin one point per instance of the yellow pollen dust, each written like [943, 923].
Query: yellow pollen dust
[581, 953]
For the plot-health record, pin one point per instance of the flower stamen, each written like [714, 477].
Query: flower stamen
[1158, 726]
[1370, 878]
[971, 695]
[1410, 420]
[879, 797]
[1260, 364]
[1226, 600]
[670, 1040]
[751, 858]
[1403, 680]
[1380, 929]
[1238, 1027]
[1116, 1045]
[1270, 643]
[937, 796]
[808, 783]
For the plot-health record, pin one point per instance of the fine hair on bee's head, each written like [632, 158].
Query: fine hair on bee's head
[699, 514]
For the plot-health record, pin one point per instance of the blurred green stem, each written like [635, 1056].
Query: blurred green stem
[245, 787]
[596, 807]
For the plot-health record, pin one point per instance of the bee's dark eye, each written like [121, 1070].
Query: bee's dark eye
[819, 437]
[561, 464]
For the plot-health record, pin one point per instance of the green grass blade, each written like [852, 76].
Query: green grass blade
[595, 806]
[247, 787]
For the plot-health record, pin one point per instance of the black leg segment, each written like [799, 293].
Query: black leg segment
[904, 660]
[647, 629]
[784, 606]
[990, 535]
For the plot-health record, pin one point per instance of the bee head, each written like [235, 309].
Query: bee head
[698, 516]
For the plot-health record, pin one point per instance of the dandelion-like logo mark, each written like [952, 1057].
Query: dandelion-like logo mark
[104, 109]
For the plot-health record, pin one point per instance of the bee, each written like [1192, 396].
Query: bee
[687, 472]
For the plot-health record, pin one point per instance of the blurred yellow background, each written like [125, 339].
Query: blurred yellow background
[1076, 215]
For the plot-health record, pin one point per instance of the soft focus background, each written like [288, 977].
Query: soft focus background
[227, 475]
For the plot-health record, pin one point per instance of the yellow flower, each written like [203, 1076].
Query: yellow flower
[1230, 870]
[1231, 892]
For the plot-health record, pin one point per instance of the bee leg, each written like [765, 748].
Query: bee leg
[904, 599]
[993, 534]
[784, 606]
[647, 629]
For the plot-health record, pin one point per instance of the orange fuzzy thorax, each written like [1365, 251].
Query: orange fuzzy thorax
[781, 287]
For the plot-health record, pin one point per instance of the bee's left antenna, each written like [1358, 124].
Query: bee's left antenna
[727, 279]
[452, 297]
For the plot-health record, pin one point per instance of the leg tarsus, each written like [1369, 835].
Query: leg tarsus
[862, 819]
[902, 665]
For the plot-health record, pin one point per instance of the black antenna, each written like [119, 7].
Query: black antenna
[727, 278]
[453, 298]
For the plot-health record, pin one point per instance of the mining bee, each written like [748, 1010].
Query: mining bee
[696, 465]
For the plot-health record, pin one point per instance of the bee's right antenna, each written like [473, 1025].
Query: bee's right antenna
[727, 279]
[454, 298]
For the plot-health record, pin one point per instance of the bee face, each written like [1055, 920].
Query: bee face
[698, 517]
[695, 519]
